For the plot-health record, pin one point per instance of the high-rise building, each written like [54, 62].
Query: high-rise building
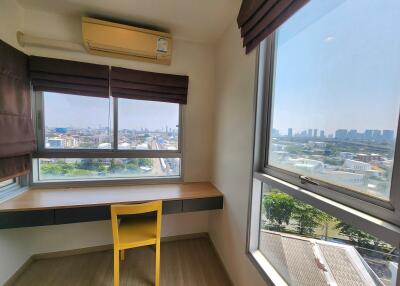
[376, 134]
[275, 132]
[388, 135]
[290, 132]
[322, 134]
[341, 134]
[368, 134]
[352, 134]
[315, 132]
[309, 133]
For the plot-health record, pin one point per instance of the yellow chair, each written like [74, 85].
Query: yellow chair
[136, 232]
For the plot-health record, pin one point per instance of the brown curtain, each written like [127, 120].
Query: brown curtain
[258, 19]
[134, 84]
[69, 77]
[17, 140]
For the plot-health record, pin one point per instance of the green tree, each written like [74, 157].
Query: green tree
[132, 165]
[102, 169]
[145, 162]
[361, 238]
[116, 166]
[326, 219]
[294, 149]
[279, 207]
[79, 172]
[307, 218]
[57, 168]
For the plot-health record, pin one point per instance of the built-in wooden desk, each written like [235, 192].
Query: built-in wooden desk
[57, 206]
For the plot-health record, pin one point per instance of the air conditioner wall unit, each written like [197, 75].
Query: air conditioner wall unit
[123, 41]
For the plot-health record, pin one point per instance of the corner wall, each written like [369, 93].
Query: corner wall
[233, 137]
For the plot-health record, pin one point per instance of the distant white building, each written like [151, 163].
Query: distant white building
[124, 146]
[346, 155]
[308, 165]
[279, 155]
[55, 143]
[377, 173]
[343, 178]
[143, 146]
[317, 144]
[277, 147]
[387, 164]
[354, 165]
[104, 146]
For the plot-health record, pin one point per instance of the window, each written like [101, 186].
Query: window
[148, 125]
[325, 201]
[9, 188]
[63, 169]
[77, 141]
[306, 244]
[6, 183]
[335, 114]
[76, 122]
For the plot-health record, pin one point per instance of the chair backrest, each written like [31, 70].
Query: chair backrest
[116, 210]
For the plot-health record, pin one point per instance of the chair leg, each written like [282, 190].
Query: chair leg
[122, 255]
[116, 267]
[157, 280]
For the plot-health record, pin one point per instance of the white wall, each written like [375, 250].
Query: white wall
[194, 60]
[234, 101]
[11, 20]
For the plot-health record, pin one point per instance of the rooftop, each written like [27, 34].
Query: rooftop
[306, 261]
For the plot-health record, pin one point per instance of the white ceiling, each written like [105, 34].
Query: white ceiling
[193, 20]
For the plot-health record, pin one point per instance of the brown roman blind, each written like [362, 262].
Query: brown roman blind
[134, 84]
[69, 77]
[257, 19]
[17, 140]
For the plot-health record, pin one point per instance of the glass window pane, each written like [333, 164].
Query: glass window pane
[76, 122]
[336, 94]
[307, 246]
[116, 168]
[7, 183]
[147, 125]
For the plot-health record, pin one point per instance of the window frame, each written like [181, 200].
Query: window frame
[18, 186]
[114, 152]
[363, 213]
[387, 210]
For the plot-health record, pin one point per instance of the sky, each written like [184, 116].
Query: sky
[338, 66]
[84, 111]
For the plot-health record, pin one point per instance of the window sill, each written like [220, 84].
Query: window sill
[270, 275]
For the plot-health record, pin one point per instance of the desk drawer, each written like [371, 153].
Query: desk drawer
[172, 207]
[26, 218]
[203, 204]
[82, 214]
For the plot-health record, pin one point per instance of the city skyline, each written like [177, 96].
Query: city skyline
[314, 132]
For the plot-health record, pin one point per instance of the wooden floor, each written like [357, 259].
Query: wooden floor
[185, 262]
